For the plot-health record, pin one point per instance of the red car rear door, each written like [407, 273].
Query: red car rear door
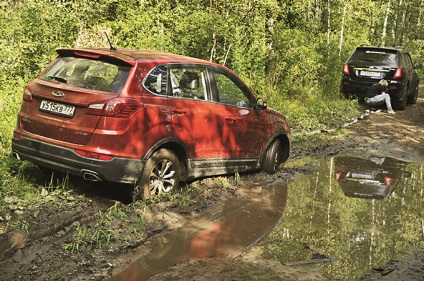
[195, 119]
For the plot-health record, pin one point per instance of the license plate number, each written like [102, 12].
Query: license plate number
[57, 108]
[362, 176]
[370, 73]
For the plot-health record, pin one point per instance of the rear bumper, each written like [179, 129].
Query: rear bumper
[66, 160]
[358, 88]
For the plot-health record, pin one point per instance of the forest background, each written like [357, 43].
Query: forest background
[289, 52]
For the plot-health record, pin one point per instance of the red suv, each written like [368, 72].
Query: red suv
[145, 117]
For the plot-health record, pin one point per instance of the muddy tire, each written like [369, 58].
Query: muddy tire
[161, 174]
[272, 157]
[412, 98]
[401, 104]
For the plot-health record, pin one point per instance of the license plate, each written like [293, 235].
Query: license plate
[370, 73]
[362, 176]
[57, 108]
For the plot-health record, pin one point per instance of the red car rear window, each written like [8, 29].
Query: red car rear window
[87, 73]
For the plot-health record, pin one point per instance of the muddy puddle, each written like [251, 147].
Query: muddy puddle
[356, 212]
[352, 215]
[229, 231]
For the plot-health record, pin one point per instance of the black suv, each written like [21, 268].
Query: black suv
[368, 65]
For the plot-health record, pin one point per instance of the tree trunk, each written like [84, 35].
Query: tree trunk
[328, 23]
[342, 28]
[386, 18]
[396, 23]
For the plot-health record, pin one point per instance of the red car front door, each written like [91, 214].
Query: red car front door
[244, 130]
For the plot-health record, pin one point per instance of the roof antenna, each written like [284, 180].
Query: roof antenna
[110, 44]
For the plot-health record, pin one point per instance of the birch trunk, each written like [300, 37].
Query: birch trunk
[328, 23]
[342, 29]
[396, 23]
[386, 18]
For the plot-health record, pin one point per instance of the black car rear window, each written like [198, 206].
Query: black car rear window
[87, 73]
[377, 56]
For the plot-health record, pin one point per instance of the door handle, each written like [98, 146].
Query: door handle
[230, 120]
[179, 111]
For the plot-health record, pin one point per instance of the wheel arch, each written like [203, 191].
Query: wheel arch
[176, 146]
[285, 146]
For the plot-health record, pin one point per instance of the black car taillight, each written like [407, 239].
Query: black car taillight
[337, 176]
[388, 180]
[346, 69]
[117, 107]
[398, 73]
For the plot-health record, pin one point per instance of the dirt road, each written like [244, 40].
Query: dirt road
[59, 239]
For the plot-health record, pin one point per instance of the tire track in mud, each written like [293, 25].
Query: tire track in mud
[19, 248]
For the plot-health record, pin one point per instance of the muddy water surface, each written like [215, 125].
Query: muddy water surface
[352, 215]
[357, 213]
[229, 231]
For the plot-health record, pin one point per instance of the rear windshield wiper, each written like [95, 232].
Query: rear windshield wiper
[60, 79]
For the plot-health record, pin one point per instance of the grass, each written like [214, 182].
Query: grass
[117, 223]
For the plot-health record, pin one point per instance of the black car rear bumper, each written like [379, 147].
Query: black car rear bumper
[66, 160]
[395, 88]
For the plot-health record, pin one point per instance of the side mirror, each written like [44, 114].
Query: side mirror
[261, 104]
[418, 66]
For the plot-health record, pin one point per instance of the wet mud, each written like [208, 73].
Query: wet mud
[306, 222]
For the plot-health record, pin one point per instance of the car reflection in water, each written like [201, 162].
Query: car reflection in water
[374, 178]
[229, 231]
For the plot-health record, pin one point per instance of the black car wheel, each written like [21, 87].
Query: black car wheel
[161, 174]
[401, 105]
[272, 157]
[412, 99]
[361, 100]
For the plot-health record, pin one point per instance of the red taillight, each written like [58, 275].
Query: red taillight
[27, 94]
[337, 176]
[388, 181]
[398, 73]
[118, 107]
[94, 155]
[346, 69]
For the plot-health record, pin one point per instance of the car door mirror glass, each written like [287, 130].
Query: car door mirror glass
[241, 104]
[261, 104]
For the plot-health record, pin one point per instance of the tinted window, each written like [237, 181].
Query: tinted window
[86, 73]
[408, 61]
[230, 93]
[385, 57]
